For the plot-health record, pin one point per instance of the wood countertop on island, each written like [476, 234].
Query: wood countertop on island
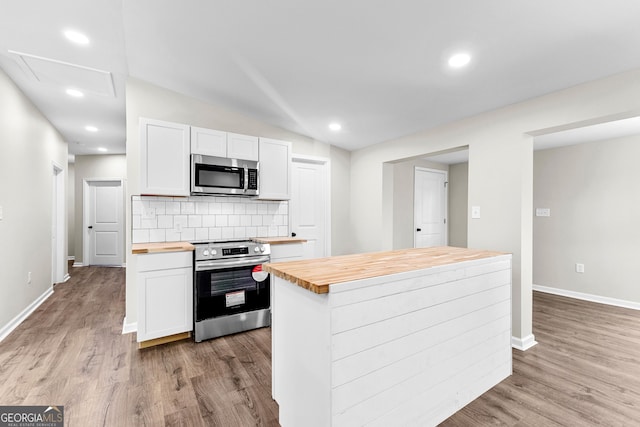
[317, 274]
[149, 248]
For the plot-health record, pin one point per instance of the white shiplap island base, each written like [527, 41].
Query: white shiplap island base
[366, 347]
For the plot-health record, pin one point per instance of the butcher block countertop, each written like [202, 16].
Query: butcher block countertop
[278, 240]
[317, 274]
[150, 248]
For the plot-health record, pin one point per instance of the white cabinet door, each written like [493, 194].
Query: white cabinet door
[164, 158]
[208, 142]
[165, 295]
[242, 147]
[275, 169]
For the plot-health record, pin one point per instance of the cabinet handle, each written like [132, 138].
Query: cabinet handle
[418, 229]
[293, 234]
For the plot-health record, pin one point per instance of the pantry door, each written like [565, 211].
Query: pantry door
[309, 206]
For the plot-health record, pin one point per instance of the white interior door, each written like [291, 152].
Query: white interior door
[104, 223]
[310, 206]
[430, 208]
[58, 255]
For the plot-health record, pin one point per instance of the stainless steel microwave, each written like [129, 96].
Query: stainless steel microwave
[219, 175]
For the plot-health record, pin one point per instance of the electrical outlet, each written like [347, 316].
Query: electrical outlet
[579, 268]
[543, 212]
[179, 227]
[475, 212]
[149, 213]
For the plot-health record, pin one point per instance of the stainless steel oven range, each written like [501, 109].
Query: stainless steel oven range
[231, 292]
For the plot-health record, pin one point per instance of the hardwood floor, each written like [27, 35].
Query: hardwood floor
[584, 371]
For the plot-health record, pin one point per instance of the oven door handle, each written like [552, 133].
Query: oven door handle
[217, 265]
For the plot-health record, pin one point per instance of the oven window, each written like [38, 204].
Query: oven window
[219, 176]
[229, 291]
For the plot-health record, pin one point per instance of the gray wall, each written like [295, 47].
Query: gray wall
[110, 166]
[458, 205]
[500, 173]
[592, 191]
[29, 146]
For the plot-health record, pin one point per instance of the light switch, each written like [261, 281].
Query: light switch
[0, 213]
[543, 212]
[475, 212]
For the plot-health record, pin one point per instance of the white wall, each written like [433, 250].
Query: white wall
[28, 147]
[147, 100]
[500, 173]
[592, 191]
[458, 206]
[105, 166]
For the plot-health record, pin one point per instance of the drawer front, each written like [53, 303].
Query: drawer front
[164, 261]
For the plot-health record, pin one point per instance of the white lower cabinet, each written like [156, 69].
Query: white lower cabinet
[165, 294]
[287, 252]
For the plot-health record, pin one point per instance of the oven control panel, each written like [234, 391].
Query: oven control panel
[229, 249]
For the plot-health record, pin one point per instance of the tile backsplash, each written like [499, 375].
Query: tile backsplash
[206, 218]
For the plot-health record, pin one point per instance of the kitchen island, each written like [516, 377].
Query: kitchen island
[390, 338]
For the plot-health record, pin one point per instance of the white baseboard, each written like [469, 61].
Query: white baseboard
[523, 344]
[71, 258]
[77, 264]
[128, 328]
[587, 297]
[15, 322]
[66, 278]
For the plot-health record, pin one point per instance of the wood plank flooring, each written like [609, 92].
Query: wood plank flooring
[584, 371]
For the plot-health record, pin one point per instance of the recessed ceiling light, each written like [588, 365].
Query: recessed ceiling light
[459, 60]
[335, 126]
[102, 149]
[75, 93]
[91, 128]
[76, 37]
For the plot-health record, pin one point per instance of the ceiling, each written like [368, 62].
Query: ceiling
[377, 67]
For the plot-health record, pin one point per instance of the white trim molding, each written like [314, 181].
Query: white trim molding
[128, 328]
[587, 297]
[66, 278]
[523, 344]
[77, 264]
[16, 321]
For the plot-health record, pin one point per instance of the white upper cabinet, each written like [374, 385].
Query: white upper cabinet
[164, 158]
[275, 169]
[242, 147]
[208, 142]
[217, 143]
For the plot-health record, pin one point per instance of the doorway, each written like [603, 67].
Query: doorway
[103, 222]
[58, 273]
[430, 208]
[310, 205]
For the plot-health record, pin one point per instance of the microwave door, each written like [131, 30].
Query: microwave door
[219, 178]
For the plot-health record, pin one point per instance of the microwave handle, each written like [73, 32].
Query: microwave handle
[246, 179]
